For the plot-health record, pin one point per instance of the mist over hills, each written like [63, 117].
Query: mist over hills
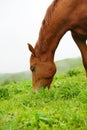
[67, 64]
[61, 65]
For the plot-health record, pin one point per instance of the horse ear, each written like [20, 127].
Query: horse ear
[31, 49]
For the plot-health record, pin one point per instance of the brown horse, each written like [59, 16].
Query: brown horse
[61, 16]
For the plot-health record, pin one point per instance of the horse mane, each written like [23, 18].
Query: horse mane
[42, 43]
[49, 12]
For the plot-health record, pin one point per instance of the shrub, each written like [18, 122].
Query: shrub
[73, 73]
[4, 93]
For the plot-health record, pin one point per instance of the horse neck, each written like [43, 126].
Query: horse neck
[48, 41]
[53, 27]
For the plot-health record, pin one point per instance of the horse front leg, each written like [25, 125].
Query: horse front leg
[80, 40]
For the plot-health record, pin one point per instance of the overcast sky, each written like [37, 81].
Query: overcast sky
[20, 21]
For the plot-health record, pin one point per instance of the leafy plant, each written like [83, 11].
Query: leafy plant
[4, 93]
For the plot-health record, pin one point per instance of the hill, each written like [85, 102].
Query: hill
[63, 107]
[62, 66]
[67, 64]
[9, 77]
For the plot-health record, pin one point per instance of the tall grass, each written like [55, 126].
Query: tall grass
[63, 107]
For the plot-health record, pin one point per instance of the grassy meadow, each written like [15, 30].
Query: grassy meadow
[63, 107]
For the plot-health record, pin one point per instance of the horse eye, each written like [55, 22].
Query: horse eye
[32, 68]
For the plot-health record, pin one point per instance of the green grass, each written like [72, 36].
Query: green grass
[63, 107]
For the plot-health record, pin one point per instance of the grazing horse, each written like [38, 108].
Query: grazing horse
[61, 16]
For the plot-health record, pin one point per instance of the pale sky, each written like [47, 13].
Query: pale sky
[20, 22]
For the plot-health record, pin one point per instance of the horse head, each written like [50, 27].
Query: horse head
[42, 70]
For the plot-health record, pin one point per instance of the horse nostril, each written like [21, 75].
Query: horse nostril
[36, 89]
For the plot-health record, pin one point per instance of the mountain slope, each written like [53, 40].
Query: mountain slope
[62, 66]
[67, 64]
